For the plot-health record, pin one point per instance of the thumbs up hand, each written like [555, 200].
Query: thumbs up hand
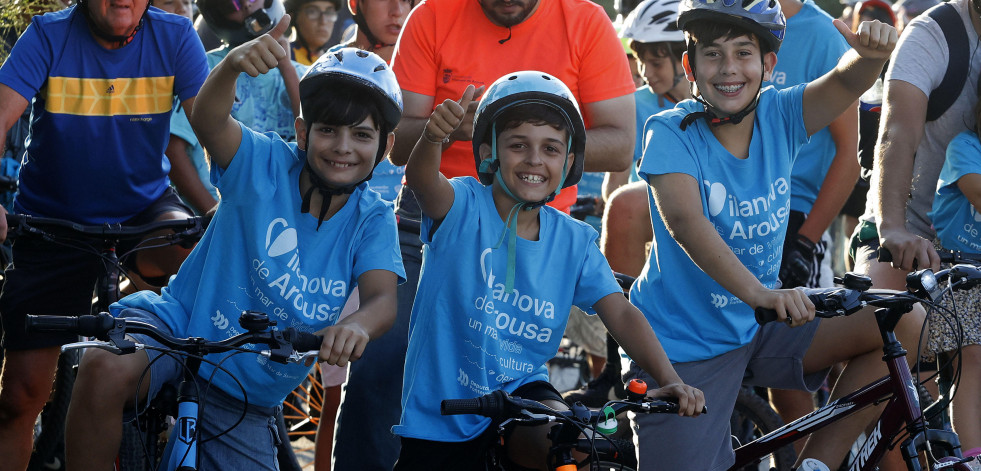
[261, 54]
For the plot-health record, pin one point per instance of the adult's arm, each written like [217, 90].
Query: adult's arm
[841, 176]
[185, 176]
[830, 95]
[610, 138]
[903, 116]
[416, 109]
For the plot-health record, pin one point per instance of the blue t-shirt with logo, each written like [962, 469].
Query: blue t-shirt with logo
[100, 118]
[748, 202]
[956, 220]
[467, 336]
[811, 48]
[260, 253]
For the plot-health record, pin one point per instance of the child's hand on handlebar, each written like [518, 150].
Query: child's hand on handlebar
[343, 343]
[791, 305]
[691, 400]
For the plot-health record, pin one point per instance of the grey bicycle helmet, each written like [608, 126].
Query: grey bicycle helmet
[653, 21]
[359, 67]
[260, 22]
[529, 87]
[762, 17]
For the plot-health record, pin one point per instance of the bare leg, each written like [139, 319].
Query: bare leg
[106, 384]
[627, 229]
[791, 405]
[25, 384]
[966, 409]
[325, 430]
[161, 262]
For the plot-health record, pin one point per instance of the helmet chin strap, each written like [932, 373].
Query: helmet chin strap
[716, 119]
[493, 165]
[326, 191]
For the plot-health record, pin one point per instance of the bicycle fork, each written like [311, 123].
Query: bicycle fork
[181, 453]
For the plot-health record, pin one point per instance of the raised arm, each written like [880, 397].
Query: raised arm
[422, 175]
[415, 114]
[679, 203]
[211, 119]
[611, 135]
[828, 96]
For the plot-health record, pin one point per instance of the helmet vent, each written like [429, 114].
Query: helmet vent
[513, 77]
[340, 56]
[380, 68]
[361, 54]
[546, 77]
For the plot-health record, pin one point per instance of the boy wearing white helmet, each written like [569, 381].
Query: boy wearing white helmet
[719, 173]
[529, 144]
[289, 212]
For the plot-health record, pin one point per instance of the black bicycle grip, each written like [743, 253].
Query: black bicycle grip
[87, 325]
[303, 341]
[885, 256]
[764, 315]
[460, 406]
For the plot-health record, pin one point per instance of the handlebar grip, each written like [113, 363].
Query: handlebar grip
[303, 341]
[885, 255]
[460, 406]
[87, 325]
[764, 315]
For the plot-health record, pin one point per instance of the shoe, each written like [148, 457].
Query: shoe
[605, 387]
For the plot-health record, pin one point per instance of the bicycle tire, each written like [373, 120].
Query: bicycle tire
[49, 444]
[752, 417]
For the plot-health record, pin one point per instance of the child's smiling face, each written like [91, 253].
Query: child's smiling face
[534, 159]
[729, 71]
[341, 155]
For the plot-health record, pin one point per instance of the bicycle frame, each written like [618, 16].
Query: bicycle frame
[902, 412]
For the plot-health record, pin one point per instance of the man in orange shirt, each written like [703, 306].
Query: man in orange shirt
[446, 45]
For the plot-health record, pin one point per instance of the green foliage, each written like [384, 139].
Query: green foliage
[15, 15]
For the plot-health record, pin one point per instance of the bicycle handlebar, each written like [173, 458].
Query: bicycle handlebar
[284, 345]
[20, 224]
[922, 286]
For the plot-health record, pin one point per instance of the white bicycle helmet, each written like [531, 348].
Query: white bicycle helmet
[653, 21]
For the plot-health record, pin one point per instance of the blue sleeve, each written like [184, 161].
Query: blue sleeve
[193, 65]
[254, 168]
[791, 105]
[378, 247]
[596, 279]
[668, 149]
[963, 158]
[26, 69]
[450, 224]
[180, 127]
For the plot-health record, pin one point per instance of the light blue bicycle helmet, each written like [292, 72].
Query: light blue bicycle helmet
[523, 88]
[358, 67]
[762, 17]
[258, 23]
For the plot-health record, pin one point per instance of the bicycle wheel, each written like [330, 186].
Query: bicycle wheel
[752, 417]
[49, 439]
[301, 412]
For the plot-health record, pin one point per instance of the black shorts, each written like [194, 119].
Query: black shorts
[52, 279]
[470, 455]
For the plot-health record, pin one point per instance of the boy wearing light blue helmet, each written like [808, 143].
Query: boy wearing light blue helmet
[296, 231]
[500, 273]
[719, 168]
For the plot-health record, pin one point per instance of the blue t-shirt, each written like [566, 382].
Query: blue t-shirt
[748, 202]
[260, 253]
[648, 104]
[957, 222]
[810, 49]
[262, 103]
[100, 118]
[468, 337]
